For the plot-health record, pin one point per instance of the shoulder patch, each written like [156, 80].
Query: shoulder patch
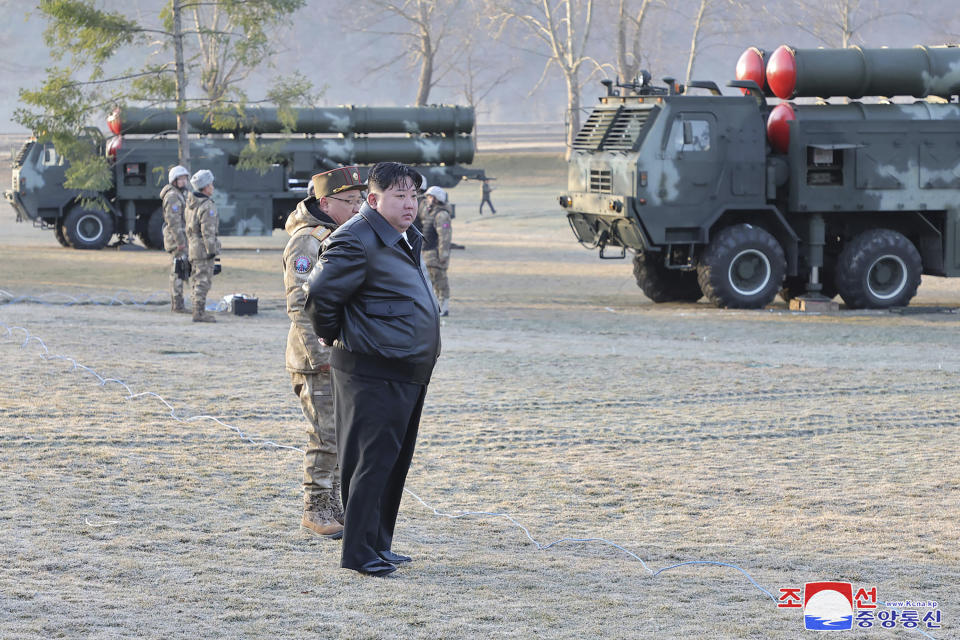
[175, 207]
[303, 264]
[320, 233]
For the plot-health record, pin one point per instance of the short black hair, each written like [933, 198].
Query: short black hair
[384, 175]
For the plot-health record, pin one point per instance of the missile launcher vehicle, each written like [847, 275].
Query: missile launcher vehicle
[436, 140]
[743, 196]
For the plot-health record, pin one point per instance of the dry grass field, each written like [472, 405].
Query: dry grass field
[798, 447]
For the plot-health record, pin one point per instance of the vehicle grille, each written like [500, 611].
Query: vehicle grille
[590, 136]
[18, 161]
[599, 181]
[612, 129]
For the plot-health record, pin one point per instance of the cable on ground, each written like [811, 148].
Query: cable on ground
[29, 338]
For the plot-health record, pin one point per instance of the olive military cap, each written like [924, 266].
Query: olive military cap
[337, 180]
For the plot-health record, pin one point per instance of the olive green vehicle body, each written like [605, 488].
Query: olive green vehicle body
[436, 140]
[666, 174]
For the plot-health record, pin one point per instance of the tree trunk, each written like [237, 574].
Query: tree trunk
[697, 25]
[426, 75]
[573, 106]
[622, 64]
[183, 143]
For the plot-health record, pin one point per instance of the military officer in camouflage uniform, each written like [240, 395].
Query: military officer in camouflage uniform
[436, 244]
[174, 197]
[203, 223]
[336, 198]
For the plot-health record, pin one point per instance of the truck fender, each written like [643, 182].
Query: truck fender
[767, 216]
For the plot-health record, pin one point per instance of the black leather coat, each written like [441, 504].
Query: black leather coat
[370, 297]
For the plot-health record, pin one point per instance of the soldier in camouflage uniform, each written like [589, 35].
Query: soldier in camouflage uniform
[336, 198]
[436, 244]
[204, 246]
[174, 197]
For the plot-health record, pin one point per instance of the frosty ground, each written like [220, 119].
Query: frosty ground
[797, 447]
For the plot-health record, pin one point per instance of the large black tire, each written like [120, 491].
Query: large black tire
[88, 228]
[878, 269]
[150, 229]
[58, 232]
[664, 285]
[742, 268]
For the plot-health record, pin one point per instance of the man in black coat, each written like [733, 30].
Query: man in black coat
[370, 299]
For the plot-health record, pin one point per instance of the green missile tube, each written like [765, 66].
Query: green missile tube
[448, 120]
[856, 72]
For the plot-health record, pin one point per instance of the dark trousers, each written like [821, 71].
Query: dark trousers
[377, 422]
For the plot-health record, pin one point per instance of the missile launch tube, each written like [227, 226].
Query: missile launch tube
[778, 127]
[449, 120]
[856, 72]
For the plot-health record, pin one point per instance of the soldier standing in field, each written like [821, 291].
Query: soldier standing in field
[174, 197]
[203, 223]
[335, 199]
[486, 195]
[437, 234]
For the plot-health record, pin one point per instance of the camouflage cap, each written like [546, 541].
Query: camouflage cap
[337, 180]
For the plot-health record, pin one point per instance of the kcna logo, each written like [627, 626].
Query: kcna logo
[828, 605]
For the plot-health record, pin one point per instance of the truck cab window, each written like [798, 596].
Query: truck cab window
[691, 135]
[50, 156]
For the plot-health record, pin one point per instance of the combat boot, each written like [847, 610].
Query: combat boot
[335, 503]
[318, 517]
[200, 311]
[176, 305]
[444, 307]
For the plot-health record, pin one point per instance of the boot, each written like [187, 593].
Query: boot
[318, 517]
[444, 307]
[200, 311]
[335, 502]
[176, 305]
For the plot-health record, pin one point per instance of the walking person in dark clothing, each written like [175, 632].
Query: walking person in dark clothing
[370, 298]
[486, 195]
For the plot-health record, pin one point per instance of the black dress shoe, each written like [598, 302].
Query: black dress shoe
[395, 558]
[378, 568]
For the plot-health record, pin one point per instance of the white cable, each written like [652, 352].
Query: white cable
[453, 516]
[7, 297]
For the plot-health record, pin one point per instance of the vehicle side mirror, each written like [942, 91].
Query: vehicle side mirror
[687, 133]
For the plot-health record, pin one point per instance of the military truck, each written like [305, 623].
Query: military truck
[143, 147]
[739, 197]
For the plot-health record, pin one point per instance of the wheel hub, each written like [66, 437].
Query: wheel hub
[89, 228]
[887, 277]
[749, 272]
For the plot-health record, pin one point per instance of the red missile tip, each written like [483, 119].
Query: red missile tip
[750, 67]
[114, 145]
[114, 123]
[778, 127]
[782, 72]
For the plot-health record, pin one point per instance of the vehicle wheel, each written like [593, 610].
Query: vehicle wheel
[742, 268]
[58, 232]
[664, 285]
[150, 229]
[878, 269]
[88, 228]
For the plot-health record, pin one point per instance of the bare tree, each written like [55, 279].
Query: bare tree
[629, 36]
[423, 26]
[837, 23]
[562, 30]
[713, 22]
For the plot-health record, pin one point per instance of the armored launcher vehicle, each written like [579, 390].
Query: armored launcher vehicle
[739, 197]
[144, 146]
